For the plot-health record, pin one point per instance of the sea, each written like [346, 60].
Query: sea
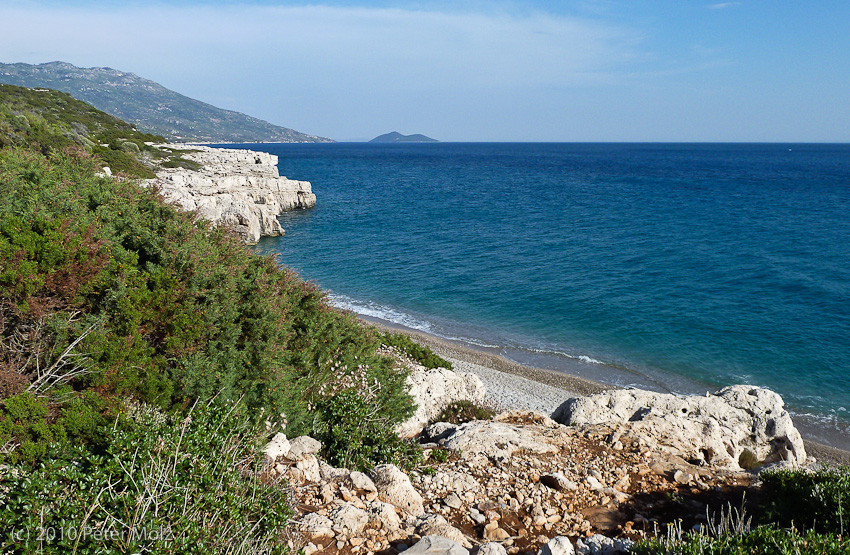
[673, 267]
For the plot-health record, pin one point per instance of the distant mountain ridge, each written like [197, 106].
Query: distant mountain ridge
[396, 137]
[150, 106]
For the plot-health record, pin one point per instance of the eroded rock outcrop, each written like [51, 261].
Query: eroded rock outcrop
[719, 429]
[240, 189]
[433, 389]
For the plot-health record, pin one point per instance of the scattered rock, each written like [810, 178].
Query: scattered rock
[682, 477]
[558, 481]
[315, 524]
[394, 487]
[436, 525]
[436, 545]
[278, 447]
[453, 501]
[598, 544]
[559, 545]
[491, 548]
[350, 519]
[362, 481]
[303, 445]
[437, 431]
[496, 440]
[385, 515]
[308, 465]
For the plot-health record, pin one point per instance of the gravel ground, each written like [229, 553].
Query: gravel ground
[511, 392]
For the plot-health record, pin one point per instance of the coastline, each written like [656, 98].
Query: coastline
[563, 384]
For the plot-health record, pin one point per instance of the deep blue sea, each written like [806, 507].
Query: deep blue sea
[682, 267]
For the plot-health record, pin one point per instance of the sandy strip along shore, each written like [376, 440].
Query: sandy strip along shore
[514, 386]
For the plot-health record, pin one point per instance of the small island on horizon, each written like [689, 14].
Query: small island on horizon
[396, 137]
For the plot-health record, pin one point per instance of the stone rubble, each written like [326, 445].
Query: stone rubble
[240, 189]
[582, 489]
[522, 483]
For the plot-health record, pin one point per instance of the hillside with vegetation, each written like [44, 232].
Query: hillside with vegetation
[150, 106]
[137, 341]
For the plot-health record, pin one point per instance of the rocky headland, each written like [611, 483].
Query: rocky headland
[555, 471]
[240, 189]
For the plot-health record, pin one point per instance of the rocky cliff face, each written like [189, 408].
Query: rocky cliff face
[240, 189]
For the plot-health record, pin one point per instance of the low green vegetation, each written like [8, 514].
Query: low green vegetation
[818, 500]
[51, 121]
[799, 513]
[459, 412]
[155, 484]
[765, 540]
[145, 356]
[419, 353]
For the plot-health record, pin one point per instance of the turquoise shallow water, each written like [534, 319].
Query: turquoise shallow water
[679, 267]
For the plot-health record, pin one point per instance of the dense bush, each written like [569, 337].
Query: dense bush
[420, 353]
[802, 513]
[459, 412]
[820, 500]
[761, 541]
[157, 485]
[103, 287]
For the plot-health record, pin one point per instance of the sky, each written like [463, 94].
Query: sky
[479, 70]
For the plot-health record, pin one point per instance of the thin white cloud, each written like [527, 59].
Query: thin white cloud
[354, 43]
[723, 5]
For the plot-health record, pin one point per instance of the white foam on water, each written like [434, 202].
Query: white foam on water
[375, 310]
[582, 358]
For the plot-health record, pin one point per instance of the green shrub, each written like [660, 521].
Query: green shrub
[420, 353]
[353, 432]
[820, 499]
[459, 412]
[748, 460]
[440, 455]
[761, 541]
[180, 162]
[167, 310]
[25, 430]
[52, 121]
[161, 485]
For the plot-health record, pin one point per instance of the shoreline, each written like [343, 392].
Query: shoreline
[569, 384]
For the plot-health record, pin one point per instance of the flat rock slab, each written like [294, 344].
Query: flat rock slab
[716, 429]
[437, 545]
[496, 440]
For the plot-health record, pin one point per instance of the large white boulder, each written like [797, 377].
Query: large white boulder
[559, 545]
[496, 440]
[715, 429]
[433, 389]
[240, 189]
[437, 545]
[394, 487]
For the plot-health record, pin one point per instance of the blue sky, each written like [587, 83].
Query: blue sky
[583, 70]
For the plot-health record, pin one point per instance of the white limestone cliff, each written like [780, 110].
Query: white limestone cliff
[240, 189]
